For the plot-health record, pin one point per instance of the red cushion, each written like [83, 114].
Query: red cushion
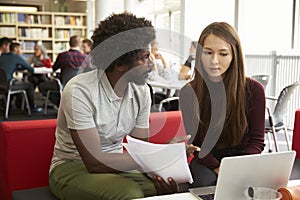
[296, 134]
[165, 125]
[26, 149]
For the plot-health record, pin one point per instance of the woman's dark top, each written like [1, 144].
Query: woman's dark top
[253, 140]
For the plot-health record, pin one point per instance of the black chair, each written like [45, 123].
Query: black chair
[275, 120]
[59, 92]
[6, 90]
[169, 104]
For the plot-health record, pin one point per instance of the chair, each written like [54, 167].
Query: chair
[7, 90]
[59, 91]
[263, 79]
[275, 121]
[169, 104]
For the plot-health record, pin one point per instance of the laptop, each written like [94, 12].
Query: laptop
[238, 173]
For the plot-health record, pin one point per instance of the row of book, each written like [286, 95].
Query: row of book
[34, 19]
[7, 18]
[8, 31]
[34, 32]
[67, 20]
[61, 46]
[66, 34]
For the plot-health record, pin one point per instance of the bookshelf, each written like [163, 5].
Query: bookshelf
[53, 29]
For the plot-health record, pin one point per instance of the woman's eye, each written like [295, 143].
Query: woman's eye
[224, 54]
[207, 52]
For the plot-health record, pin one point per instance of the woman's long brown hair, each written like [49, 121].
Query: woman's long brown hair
[235, 85]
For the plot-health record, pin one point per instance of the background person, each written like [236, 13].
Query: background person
[219, 60]
[5, 43]
[71, 63]
[86, 46]
[39, 59]
[10, 63]
[16, 48]
[187, 68]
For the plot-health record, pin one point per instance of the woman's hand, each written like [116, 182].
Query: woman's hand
[164, 188]
[190, 149]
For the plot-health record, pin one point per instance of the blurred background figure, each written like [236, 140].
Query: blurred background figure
[4, 45]
[71, 63]
[187, 68]
[15, 47]
[160, 61]
[86, 46]
[10, 62]
[39, 59]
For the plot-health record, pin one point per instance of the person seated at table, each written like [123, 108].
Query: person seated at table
[187, 68]
[10, 63]
[71, 63]
[222, 109]
[86, 46]
[5, 43]
[16, 48]
[161, 62]
[39, 59]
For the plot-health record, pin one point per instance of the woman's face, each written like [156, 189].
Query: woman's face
[216, 57]
[37, 51]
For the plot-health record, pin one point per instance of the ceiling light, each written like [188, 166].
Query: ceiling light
[18, 8]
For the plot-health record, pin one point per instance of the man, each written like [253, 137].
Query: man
[15, 47]
[4, 45]
[11, 62]
[98, 109]
[86, 46]
[71, 63]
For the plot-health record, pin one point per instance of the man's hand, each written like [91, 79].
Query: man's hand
[164, 188]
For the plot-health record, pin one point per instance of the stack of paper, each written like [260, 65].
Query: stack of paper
[165, 160]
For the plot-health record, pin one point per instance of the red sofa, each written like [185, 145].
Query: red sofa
[26, 149]
[296, 134]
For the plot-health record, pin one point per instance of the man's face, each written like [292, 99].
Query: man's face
[141, 67]
[6, 48]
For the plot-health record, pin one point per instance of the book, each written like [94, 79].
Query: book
[165, 160]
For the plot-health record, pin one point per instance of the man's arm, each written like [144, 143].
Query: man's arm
[23, 63]
[140, 133]
[96, 161]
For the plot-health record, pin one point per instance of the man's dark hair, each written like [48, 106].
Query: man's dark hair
[88, 41]
[118, 38]
[74, 41]
[13, 46]
[5, 41]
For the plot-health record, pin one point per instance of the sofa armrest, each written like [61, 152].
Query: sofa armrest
[26, 148]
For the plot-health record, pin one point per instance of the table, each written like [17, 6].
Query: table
[168, 85]
[44, 70]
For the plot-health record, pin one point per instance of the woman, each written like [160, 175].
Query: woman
[39, 59]
[188, 67]
[222, 109]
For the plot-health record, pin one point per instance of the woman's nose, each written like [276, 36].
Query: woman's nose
[214, 59]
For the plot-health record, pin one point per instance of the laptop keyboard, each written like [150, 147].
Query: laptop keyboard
[207, 196]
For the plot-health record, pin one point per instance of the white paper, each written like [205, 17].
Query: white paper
[165, 160]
